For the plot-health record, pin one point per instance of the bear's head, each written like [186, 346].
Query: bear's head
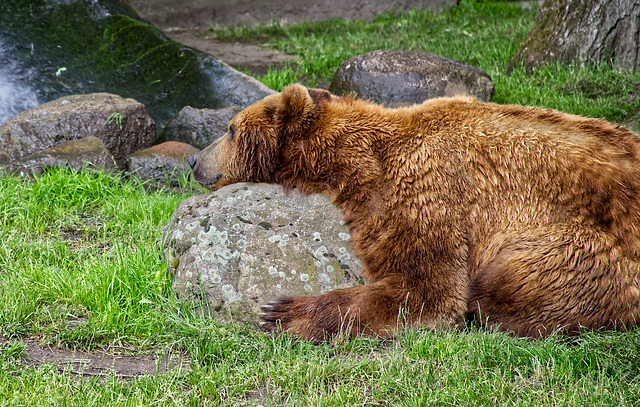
[257, 146]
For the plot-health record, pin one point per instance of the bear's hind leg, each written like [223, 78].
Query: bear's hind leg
[559, 278]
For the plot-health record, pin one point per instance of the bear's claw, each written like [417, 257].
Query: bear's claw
[275, 314]
[266, 307]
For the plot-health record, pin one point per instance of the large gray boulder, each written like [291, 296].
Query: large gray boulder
[409, 77]
[235, 249]
[123, 125]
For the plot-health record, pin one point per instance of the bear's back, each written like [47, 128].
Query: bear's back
[536, 166]
[514, 166]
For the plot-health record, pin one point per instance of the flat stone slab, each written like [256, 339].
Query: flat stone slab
[88, 152]
[240, 55]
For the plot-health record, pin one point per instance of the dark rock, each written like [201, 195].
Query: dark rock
[164, 163]
[243, 245]
[409, 77]
[198, 127]
[203, 13]
[89, 152]
[61, 47]
[122, 124]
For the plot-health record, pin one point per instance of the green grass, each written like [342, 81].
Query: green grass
[234, 367]
[82, 245]
[81, 268]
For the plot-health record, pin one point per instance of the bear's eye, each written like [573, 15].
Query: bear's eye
[231, 132]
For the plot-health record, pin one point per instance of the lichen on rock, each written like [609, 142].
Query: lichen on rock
[246, 244]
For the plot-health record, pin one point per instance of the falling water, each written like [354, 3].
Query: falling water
[15, 93]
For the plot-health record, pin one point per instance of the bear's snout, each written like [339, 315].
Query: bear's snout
[206, 167]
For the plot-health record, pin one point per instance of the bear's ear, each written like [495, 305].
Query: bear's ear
[300, 108]
[319, 96]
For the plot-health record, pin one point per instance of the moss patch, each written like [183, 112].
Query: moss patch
[104, 47]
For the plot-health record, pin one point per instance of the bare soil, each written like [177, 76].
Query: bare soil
[120, 362]
[227, 13]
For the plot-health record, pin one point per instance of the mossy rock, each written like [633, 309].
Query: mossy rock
[104, 46]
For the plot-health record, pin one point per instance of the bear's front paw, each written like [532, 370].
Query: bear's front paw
[276, 315]
[301, 316]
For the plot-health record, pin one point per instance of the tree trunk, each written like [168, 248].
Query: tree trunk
[584, 31]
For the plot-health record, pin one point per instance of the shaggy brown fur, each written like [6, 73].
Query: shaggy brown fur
[522, 217]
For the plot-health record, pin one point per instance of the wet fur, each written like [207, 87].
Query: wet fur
[519, 217]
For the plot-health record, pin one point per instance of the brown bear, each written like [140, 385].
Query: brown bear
[519, 217]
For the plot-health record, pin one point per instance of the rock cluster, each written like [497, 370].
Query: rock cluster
[55, 48]
[123, 125]
[41, 137]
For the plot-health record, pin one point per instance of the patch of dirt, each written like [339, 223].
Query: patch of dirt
[82, 232]
[248, 57]
[112, 362]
